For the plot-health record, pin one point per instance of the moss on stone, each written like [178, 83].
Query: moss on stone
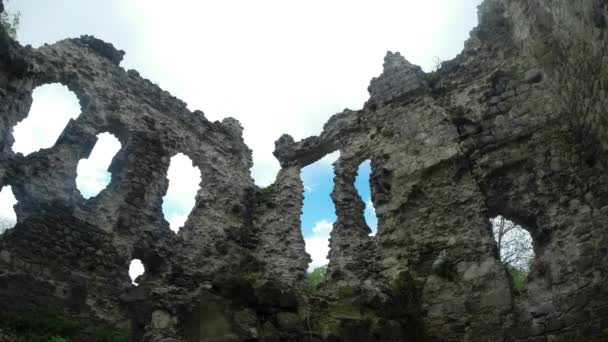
[329, 319]
[346, 291]
[251, 276]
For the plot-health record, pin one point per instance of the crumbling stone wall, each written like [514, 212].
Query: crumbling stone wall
[514, 126]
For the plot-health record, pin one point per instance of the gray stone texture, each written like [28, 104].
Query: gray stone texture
[516, 125]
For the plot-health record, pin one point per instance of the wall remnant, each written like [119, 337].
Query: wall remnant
[499, 130]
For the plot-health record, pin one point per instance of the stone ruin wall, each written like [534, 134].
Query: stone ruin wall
[516, 125]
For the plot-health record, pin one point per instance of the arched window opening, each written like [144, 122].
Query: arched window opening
[93, 175]
[363, 186]
[184, 182]
[8, 218]
[515, 249]
[136, 269]
[52, 108]
[318, 212]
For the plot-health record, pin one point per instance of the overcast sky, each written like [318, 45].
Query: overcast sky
[277, 66]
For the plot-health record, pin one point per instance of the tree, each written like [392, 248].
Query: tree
[514, 244]
[316, 277]
[514, 248]
[9, 23]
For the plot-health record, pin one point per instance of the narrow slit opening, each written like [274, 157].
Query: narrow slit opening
[363, 186]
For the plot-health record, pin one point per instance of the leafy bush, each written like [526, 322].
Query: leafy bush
[518, 276]
[42, 324]
[316, 278]
[38, 325]
[266, 190]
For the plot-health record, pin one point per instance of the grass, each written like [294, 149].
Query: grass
[44, 324]
[518, 276]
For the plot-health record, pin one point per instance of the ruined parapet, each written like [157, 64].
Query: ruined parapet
[75, 252]
[400, 81]
[506, 128]
[499, 130]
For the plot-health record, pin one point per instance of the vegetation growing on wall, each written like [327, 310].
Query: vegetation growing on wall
[316, 278]
[9, 23]
[44, 324]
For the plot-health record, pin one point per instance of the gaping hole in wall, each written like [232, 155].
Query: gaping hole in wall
[318, 212]
[93, 175]
[52, 108]
[515, 248]
[136, 268]
[184, 183]
[363, 186]
[8, 218]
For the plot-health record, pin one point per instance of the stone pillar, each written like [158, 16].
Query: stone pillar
[350, 247]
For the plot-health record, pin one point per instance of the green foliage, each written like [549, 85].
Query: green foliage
[518, 276]
[57, 339]
[251, 276]
[9, 23]
[266, 190]
[43, 324]
[316, 278]
[327, 319]
[105, 334]
[38, 325]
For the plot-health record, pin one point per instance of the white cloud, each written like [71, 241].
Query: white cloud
[369, 206]
[136, 268]
[331, 158]
[184, 182]
[8, 218]
[370, 217]
[52, 108]
[92, 172]
[318, 248]
[176, 221]
[317, 245]
[265, 64]
[323, 227]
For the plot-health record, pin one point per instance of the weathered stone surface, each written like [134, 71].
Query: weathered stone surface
[399, 82]
[513, 126]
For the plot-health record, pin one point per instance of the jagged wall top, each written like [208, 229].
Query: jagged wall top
[512, 126]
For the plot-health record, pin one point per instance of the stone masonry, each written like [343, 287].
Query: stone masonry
[516, 125]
